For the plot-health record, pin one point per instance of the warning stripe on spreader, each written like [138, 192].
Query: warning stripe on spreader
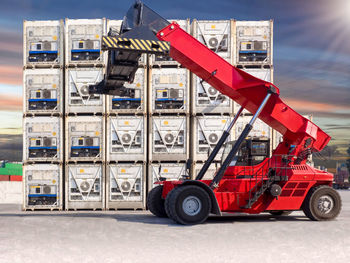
[135, 44]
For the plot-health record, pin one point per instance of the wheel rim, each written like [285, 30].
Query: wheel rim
[191, 205]
[325, 204]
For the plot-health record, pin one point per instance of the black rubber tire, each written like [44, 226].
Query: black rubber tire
[155, 202]
[166, 203]
[174, 204]
[280, 213]
[310, 204]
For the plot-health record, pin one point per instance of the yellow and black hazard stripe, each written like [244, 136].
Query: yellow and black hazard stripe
[143, 45]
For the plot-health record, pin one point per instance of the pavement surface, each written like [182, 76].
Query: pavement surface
[128, 236]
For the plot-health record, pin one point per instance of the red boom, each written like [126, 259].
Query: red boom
[243, 88]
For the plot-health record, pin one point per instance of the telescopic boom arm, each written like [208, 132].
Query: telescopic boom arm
[143, 28]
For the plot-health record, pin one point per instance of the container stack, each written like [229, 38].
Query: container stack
[108, 151]
[43, 115]
[127, 141]
[211, 111]
[84, 115]
[254, 54]
[169, 122]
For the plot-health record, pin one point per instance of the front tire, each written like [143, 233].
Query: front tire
[188, 205]
[155, 202]
[322, 203]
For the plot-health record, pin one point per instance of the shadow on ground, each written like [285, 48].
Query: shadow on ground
[148, 218]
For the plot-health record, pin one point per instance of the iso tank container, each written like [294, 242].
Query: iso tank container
[169, 90]
[217, 35]
[164, 60]
[42, 139]
[78, 98]
[126, 138]
[166, 171]
[126, 186]
[84, 184]
[254, 42]
[43, 43]
[83, 41]
[113, 29]
[43, 91]
[131, 104]
[260, 73]
[84, 138]
[168, 138]
[209, 174]
[42, 186]
[206, 99]
[206, 132]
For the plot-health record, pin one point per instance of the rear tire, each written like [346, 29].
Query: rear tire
[322, 203]
[188, 205]
[155, 202]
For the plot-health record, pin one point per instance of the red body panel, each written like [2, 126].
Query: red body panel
[241, 87]
[233, 193]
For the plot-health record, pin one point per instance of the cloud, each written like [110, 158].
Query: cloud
[11, 75]
[10, 103]
[310, 106]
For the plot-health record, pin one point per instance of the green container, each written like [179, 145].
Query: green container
[11, 169]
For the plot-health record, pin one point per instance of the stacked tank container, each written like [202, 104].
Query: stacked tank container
[254, 55]
[126, 143]
[43, 85]
[84, 115]
[108, 151]
[168, 116]
[211, 111]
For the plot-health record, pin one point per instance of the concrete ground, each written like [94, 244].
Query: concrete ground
[127, 236]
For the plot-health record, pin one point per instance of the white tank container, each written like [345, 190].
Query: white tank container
[43, 91]
[113, 27]
[83, 41]
[84, 138]
[78, 99]
[261, 73]
[126, 187]
[162, 60]
[168, 138]
[206, 99]
[84, 186]
[42, 186]
[165, 170]
[210, 173]
[126, 138]
[169, 90]
[43, 43]
[206, 132]
[131, 105]
[254, 42]
[42, 139]
[217, 35]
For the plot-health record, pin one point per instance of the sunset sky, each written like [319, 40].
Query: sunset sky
[311, 49]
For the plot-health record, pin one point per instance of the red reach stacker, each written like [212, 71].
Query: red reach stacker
[245, 182]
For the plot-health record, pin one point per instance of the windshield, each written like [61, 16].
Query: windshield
[251, 152]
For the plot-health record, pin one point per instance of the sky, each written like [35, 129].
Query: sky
[311, 50]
